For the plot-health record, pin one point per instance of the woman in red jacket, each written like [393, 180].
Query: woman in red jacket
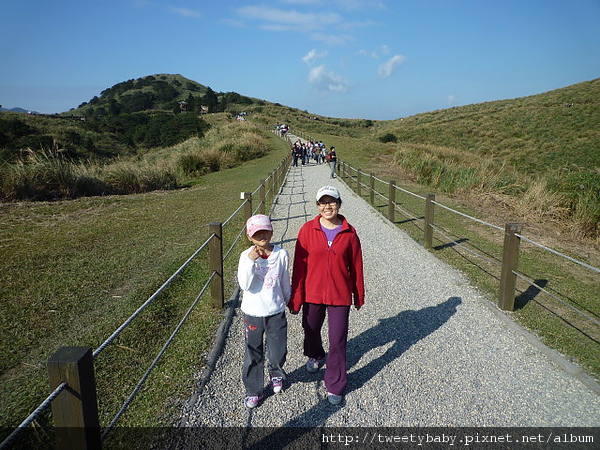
[327, 279]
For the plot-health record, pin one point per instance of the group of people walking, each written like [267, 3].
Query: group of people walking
[304, 152]
[326, 281]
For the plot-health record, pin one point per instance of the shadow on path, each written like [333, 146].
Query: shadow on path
[403, 330]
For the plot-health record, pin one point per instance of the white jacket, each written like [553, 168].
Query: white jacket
[265, 282]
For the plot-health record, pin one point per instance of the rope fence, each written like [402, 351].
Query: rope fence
[84, 416]
[356, 180]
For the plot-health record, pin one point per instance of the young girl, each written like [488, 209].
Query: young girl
[263, 275]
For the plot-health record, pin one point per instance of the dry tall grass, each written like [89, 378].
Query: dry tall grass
[48, 175]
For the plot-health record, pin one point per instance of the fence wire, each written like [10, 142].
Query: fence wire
[578, 311]
[33, 416]
[156, 360]
[467, 249]
[562, 255]
[150, 300]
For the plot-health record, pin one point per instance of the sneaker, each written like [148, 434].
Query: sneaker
[312, 365]
[277, 383]
[252, 401]
[334, 399]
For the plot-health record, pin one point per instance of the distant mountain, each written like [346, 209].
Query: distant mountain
[20, 110]
[163, 92]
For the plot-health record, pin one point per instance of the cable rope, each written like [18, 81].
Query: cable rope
[465, 248]
[468, 217]
[34, 415]
[150, 299]
[234, 243]
[558, 253]
[156, 359]
[532, 282]
[234, 213]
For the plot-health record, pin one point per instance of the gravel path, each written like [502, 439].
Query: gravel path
[426, 350]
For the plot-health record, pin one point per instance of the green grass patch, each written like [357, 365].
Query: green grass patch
[73, 271]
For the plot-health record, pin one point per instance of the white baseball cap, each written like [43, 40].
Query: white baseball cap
[328, 190]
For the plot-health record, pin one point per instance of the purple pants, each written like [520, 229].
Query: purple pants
[313, 317]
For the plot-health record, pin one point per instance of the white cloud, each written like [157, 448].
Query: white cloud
[387, 68]
[325, 80]
[451, 99]
[185, 12]
[329, 27]
[351, 5]
[281, 20]
[312, 55]
[384, 50]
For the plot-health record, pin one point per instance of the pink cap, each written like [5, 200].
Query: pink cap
[257, 223]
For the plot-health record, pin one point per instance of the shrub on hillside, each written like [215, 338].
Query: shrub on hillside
[199, 163]
[41, 176]
[388, 137]
[130, 178]
[582, 188]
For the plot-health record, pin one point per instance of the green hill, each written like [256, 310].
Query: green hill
[548, 131]
[159, 92]
[129, 116]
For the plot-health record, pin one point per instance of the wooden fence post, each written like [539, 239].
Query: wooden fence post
[247, 205]
[372, 189]
[510, 262]
[75, 410]
[392, 201]
[429, 206]
[263, 198]
[280, 175]
[358, 183]
[273, 186]
[215, 251]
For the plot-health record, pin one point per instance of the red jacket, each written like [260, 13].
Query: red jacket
[327, 275]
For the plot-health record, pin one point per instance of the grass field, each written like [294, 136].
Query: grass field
[73, 271]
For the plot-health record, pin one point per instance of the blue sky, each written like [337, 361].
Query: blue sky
[371, 59]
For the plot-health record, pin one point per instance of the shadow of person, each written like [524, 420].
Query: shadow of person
[403, 330]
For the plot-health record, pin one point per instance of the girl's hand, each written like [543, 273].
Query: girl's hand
[254, 253]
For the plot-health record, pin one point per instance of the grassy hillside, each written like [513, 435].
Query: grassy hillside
[539, 154]
[541, 133]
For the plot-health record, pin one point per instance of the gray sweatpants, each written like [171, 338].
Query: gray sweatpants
[275, 329]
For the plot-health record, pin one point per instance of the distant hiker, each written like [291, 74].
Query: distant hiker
[263, 275]
[295, 154]
[332, 160]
